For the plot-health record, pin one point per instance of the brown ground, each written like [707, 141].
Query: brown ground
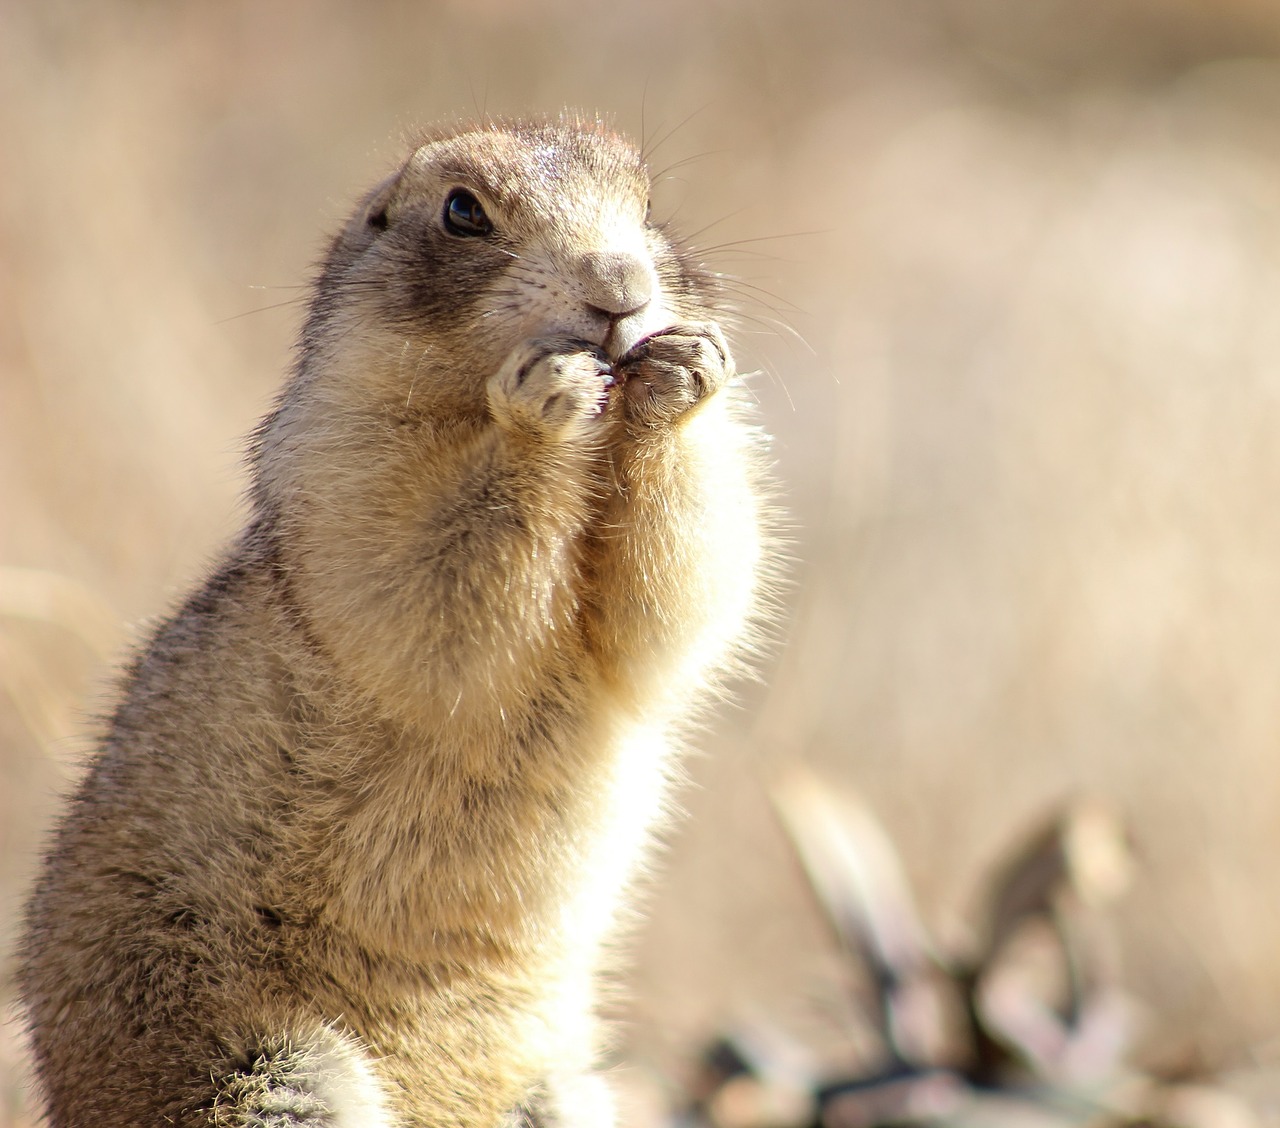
[1019, 320]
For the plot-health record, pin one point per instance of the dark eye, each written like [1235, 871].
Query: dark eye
[648, 210]
[463, 214]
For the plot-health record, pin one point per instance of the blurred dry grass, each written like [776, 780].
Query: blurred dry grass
[1032, 448]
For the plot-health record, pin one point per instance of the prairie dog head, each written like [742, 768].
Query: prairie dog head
[487, 237]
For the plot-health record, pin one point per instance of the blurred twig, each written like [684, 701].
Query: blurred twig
[1031, 1028]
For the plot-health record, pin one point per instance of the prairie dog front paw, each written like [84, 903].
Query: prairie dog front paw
[672, 371]
[550, 386]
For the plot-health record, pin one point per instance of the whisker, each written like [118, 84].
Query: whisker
[749, 290]
[648, 150]
[735, 243]
[746, 253]
[299, 300]
[688, 238]
[665, 172]
[771, 326]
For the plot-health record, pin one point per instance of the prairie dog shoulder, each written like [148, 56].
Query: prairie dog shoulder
[371, 796]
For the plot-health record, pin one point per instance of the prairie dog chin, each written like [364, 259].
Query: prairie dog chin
[359, 823]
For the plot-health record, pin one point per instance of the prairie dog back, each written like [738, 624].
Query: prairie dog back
[370, 798]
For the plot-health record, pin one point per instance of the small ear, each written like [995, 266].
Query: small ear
[376, 208]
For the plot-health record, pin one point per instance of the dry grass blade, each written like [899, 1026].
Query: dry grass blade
[32, 593]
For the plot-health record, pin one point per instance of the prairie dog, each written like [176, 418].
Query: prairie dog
[361, 819]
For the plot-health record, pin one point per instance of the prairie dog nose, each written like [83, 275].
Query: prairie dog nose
[615, 281]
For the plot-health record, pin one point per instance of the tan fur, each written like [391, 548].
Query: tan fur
[371, 797]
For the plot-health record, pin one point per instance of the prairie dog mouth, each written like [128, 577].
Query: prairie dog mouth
[621, 340]
[627, 332]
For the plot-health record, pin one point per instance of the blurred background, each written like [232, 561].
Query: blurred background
[1010, 272]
